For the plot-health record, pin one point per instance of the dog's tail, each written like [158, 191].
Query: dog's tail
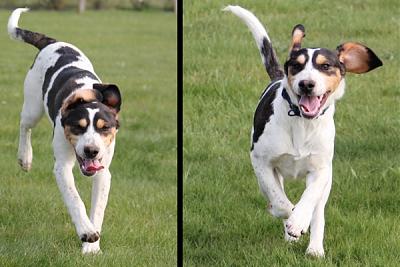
[263, 41]
[38, 40]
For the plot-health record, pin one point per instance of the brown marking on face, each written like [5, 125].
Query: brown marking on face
[100, 123]
[321, 59]
[109, 136]
[290, 80]
[332, 81]
[301, 59]
[83, 123]
[72, 138]
[83, 95]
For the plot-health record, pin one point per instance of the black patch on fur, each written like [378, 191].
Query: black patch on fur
[332, 62]
[73, 117]
[38, 40]
[264, 111]
[68, 55]
[272, 65]
[78, 112]
[63, 86]
[293, 64]
[109, 118]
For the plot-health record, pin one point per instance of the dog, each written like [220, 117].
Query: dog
[84, 114]
[293, 131]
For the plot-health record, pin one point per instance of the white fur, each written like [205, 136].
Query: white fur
[64, 153]
[13, 22]
[252, 22]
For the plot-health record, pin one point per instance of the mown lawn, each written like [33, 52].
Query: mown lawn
[137, 51]
[225, 222]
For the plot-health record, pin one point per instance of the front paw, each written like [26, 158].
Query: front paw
[91, 248]
[25, 164]
[90, 237]
[297, 225]
[317, 252]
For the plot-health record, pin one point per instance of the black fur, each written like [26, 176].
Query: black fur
[272, 65]
[68, 55]
[38, 40]
[264, 111]
[332, 61]
[63, 86]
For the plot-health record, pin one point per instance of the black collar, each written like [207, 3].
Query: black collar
[294, 110]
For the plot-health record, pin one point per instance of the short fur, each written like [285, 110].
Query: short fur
[293, 131]
[84, 112]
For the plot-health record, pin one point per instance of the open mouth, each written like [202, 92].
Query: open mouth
[89, 167]
[310, 106]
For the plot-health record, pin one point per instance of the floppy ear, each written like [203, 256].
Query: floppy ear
[357, 58]
[80, 97]
[298, 33]
[111, 95]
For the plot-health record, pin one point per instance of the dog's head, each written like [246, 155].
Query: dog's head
[90, 121]
[316, 75]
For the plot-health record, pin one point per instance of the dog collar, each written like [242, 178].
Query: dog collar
[294, 110]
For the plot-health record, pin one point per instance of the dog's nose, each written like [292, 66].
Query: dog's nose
[90, 151]
[306, 86]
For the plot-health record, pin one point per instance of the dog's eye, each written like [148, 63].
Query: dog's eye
[105, 128]
[325, 66]
[296, 65]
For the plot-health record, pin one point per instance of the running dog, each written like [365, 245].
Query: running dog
[293, 132]
[84, 112]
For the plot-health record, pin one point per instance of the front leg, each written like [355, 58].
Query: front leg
[271, 185]
[75, 205]
[100, 190]
[300, 218]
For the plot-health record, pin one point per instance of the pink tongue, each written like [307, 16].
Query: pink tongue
[92, 165]
[310, 105]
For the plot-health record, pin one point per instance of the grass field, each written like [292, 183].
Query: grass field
[225, 222]
[137, 51]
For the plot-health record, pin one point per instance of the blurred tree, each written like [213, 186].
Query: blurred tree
[82, 6]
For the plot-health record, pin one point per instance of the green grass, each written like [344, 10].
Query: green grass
[137, 51]
[225, 222]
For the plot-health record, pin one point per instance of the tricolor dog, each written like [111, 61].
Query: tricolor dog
[293, 132]
[62, 83]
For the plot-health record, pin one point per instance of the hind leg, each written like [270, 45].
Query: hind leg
[32, 111]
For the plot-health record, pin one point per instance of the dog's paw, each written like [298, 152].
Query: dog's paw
[296, 225]
[291, 239]
[91, 248]
[25, 164]
[90, 237]
[317, 252]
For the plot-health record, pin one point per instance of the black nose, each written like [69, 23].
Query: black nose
[306, 86]
[90, 151]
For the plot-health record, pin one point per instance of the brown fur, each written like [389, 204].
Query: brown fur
[83, 95]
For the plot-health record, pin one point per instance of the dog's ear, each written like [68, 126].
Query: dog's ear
[111, 95]
[357, 58]
[80, 97]
[298, 33]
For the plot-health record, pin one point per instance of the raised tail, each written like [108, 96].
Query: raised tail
[38, 40]
[263, 41]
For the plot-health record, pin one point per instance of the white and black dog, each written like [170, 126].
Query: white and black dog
[293, 132]
[84, 113]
